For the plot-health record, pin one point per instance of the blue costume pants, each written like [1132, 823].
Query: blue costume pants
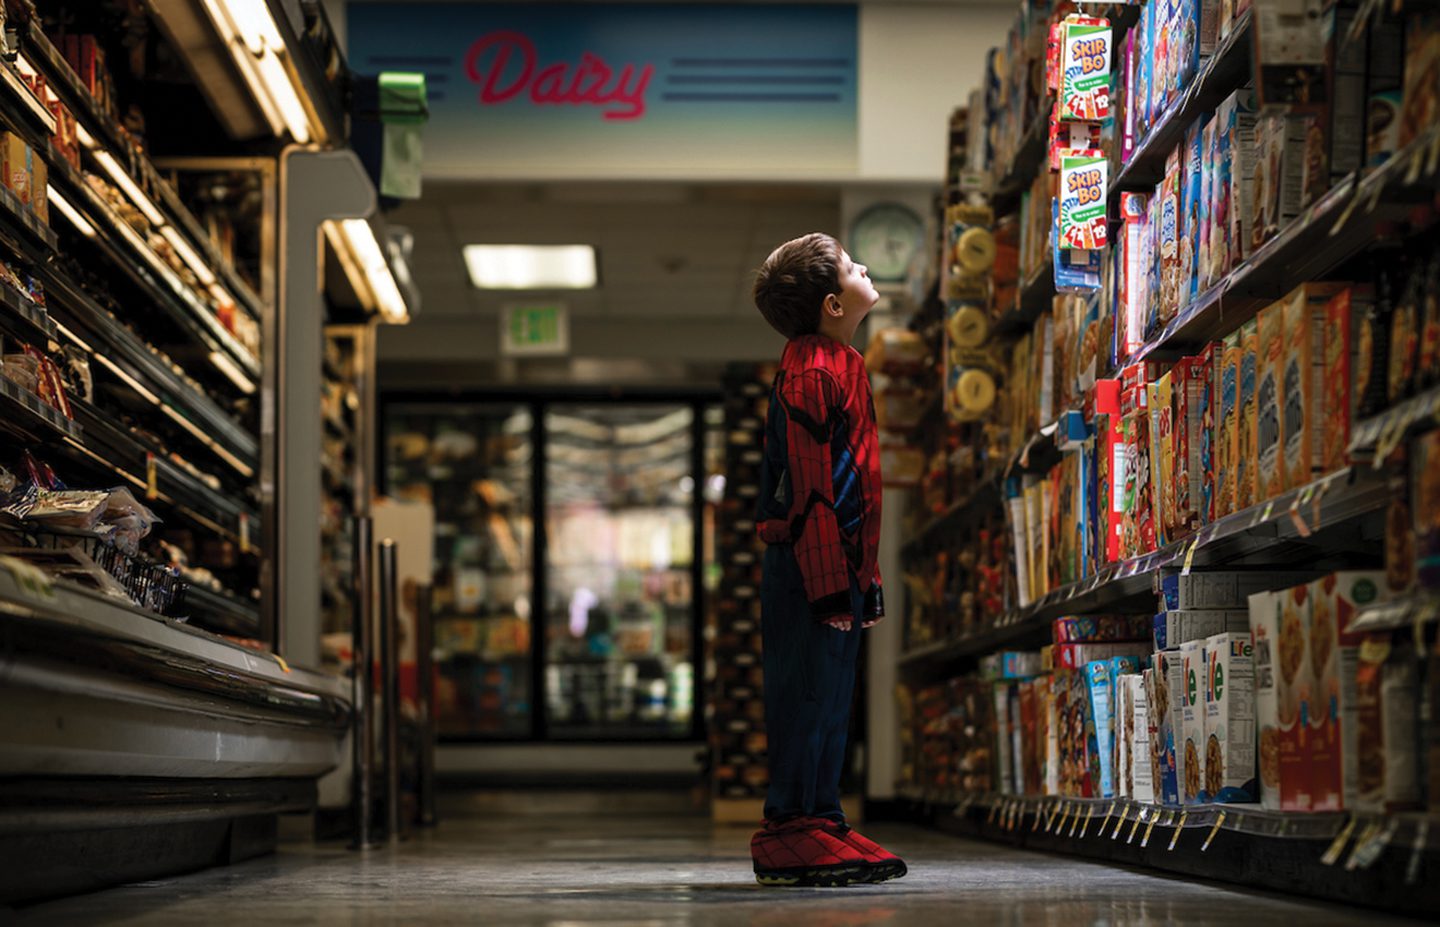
[809, 684]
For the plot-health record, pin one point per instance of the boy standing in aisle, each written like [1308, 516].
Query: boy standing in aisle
[819, 514]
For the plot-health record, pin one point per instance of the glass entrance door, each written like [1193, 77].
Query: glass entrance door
[619, 599]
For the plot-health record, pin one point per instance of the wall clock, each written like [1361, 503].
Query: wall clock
[886, 237]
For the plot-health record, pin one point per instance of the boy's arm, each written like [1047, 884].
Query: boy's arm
[810, 398]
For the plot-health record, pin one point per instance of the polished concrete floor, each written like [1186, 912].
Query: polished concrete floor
[659, 870]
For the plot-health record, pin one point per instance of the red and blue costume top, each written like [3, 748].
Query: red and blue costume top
[820, 479]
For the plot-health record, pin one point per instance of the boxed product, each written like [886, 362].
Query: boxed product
[1278, 625]
[1333, 738]
[1193, 213]
[1421, 109]
[1084, 94]
[1238, 117]
[1203, 373]
[1303, 382]
[1227, 425]
[1209, 150]
[1179, 626]
[1387, 694]
[1230, 772]
[1139, 525]
[1076, 656]
[1222, 589]
[1099, 676]
[1124, 735]
[1334, 138]
[1425, 508]
[1165, 669]
[40, 189]
[1271, 473]
[1083, 194]
[1134, 297]
[1247, 461]
[1339, 400]
[1192, 721]
[18, 166]
[1171, 231]
[1220, 139]
[1138, 782]
[1279, 174]
[1010, 664]
[1099, 628]
[1162, 458]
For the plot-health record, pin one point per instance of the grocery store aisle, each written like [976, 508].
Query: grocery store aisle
[661, 871]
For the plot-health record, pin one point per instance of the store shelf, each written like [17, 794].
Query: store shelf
[115, 449]
[1413, 610]
[1344, 222]
[23, 106]
[985, 495]
[63, 80]
[1382, 433]
[1219, 76]
[1029, 157]
[23, 319]
[24, 411]
[220, 611]
[1383, 860]
[124, 246]
[123, 352]
[1037, 294]
[1335, 499]
[21, 217]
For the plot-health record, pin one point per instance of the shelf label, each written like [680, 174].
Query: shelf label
[1179, 826]
[152, 478]
[1149, 828]
[1190, 557]
[1417, 851]
[1124, 813]
[1214, 829]
[1139, 816]
[1109, 813]
[244, 532]
[1362, 844]
[1089, 815]
[1064, 815]
[1332, 855]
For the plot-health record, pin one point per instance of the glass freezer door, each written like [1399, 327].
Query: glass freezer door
[473, 463]
[619, 602]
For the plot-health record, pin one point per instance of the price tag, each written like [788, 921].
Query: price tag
[1267, 511]
[1088, 816]
[1315, 505]
[1301, 528]
[994, 810]
[1149, 828]
[1417, 161]
[1179, 826]
[1109, 813]
[1039, 815]
[1214, 829]
[1135, 827]
[152, 478]
[284, 667]
[1417, 851]
[1124, 813]
[1332, 855]
[244, 532]
[1362, 844]
[1074, 822]
[1064, 814]
[1190, 558]
[1344, 219]
[1365, 857]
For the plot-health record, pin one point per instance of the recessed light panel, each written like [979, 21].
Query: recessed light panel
[531, 267]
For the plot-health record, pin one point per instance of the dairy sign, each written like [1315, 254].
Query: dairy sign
[623, 91]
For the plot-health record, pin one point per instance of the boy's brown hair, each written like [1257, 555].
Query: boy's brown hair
[794, 281]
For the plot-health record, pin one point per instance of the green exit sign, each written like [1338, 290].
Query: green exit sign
[535, 330]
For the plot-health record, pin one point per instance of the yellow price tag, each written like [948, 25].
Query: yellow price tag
[244, 532]
[1135, 827]
[1332, 855]
[1124, 813]
[1215, 829]
[1268, 511]
[1064, 816]
[152, 478]
[1109, 813]
[1088, 816]
[1190, 557]
[1149, 828]
[1179, 826]
[1074, 822]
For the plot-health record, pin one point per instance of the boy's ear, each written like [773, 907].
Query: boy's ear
[832, 306]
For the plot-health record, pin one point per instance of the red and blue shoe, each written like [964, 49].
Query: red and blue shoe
[816, 852]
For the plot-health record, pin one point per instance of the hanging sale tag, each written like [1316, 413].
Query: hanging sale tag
[1135, 827]
[1362, 846]
[1179, 826]
[152, 478]
[1417, 851]
[1332, 855]
[1190, 557]
[1214, 829]
[244, 532]
[1149, 828]
[1124, 813]
[1088, 816]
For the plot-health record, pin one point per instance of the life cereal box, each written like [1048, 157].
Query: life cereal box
[1303, 382]
[1230, 772]
[1139, 783]
[1085, 72]
[1083, 192]
[1227, 425]
[1247, 461]
[1271, 475]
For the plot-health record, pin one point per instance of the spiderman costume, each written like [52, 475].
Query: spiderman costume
[819, 512]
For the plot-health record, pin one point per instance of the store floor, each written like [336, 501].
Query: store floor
[583, 868]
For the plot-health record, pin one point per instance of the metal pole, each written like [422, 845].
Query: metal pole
[425, 670]
[390, 683]
[362, 722]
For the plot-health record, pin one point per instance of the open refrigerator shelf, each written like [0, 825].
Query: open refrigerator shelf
[23, 411]
[22, 318]
[1295, 518]
[62, 79]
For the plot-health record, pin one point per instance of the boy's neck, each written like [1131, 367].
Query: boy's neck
[837, 330]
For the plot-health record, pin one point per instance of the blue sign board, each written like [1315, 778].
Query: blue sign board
[623, 90]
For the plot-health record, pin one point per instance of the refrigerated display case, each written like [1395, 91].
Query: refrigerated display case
[611, 649]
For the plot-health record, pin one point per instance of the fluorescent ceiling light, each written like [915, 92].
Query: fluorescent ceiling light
[531, 267]
[82, 225]
[250, 30]
[282, 92]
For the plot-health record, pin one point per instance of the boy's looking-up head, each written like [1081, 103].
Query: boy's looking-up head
[792, 284]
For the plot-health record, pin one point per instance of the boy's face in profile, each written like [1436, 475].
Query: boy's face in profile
[856, 298]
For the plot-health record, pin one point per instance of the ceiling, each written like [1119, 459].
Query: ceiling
[664, 250]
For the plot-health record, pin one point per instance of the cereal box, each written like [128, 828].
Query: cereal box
[1142, 92]
[1168, 733]
[1139, 536]
[1421, 109]
[1222, 589]
[1271, 476]
[1085, 72]
[1279, 623]
[1099, 629]
[1247, 461]
[1279, 174]
[1339, 404]
[1124, 736]
[1162, 458]
[1134, 296]
[1192, 217]
[1204, 271]
[1218, 239]
[1177, 626]
[1239, 119]
[1334, 655]
[1139, 783]
[1303, 382]
[1387, 693]
[1230, 772]
[1227, 425]
[1425, 507]
[18, 166]
[1083, 192]
[1192, 722]
[1204, 394]
[1171, 230]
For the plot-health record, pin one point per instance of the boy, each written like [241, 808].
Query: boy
[819, 512]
